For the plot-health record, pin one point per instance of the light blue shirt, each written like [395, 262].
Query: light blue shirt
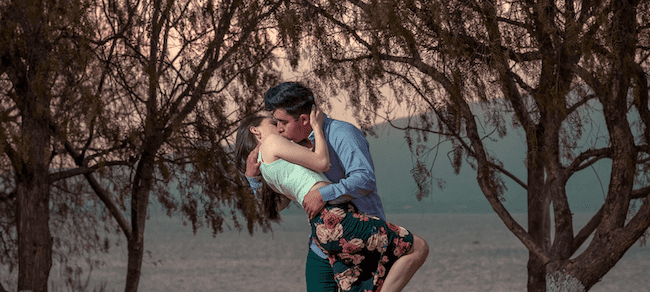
[352, 171]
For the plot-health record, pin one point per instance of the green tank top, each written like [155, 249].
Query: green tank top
[290, 179]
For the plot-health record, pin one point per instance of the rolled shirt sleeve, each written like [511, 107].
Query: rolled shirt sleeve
[255, 183]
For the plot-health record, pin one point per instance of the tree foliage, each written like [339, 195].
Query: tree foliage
[129, 100]
[551, 69]
[180, 75]
[42, 61]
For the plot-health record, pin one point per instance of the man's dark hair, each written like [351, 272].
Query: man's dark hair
[293, 97]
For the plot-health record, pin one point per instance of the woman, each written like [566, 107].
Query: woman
[366, 253]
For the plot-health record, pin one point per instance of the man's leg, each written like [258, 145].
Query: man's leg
[319, 274]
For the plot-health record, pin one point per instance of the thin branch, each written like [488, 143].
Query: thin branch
[586, 231]
[83, 170]
[331, 18]
[588, 158]
[640, 193]
[179, 115]
[9, 151]
[638, 224]
[102, 194]
[519, 81]
[583, 101]
[509, 174]
[94, 184]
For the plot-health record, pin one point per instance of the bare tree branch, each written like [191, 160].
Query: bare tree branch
[587, 230]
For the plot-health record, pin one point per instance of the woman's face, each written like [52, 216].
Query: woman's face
[267, 127]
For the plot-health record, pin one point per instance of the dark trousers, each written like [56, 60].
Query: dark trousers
[319, 274]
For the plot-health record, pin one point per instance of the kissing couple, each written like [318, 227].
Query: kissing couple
[299, 154]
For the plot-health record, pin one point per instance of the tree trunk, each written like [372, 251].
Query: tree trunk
[33, 202]
[561, 282]
[143, 180]
[539, 223]
[142, 185]
[538, 226]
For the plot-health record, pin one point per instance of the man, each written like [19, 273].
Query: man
[351, 172]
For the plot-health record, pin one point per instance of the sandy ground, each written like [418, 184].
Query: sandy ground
[468, 253]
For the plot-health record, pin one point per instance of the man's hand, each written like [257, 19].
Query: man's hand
[252, 165]
[313, 203]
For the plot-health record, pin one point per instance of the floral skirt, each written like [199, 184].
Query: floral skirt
[361, 248]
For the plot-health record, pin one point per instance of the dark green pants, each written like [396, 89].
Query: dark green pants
[320, 276]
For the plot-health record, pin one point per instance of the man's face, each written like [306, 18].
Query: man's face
[291, 128]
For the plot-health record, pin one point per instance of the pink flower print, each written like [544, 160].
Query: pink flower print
[398, 249]
[401, 231]
[345, 282]
[351, 258]
[325, 234]
[346, 278]
[384, 259]
[331, 221]
[401, 247]
[381, 270]
[333, 217]
[377, 241]
[357, 259]
[352, 246]
[361, 217]
[379, 285]
[332, 259]
[339, 212]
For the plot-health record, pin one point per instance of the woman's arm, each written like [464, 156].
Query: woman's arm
[316, 119]
[279, 147]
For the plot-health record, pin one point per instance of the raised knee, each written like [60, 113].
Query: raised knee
[421, 247]
[425, 248]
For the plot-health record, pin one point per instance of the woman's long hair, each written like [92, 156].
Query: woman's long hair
[244, 144]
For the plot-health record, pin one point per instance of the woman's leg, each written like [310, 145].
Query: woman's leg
[361, 248]
[405, 267]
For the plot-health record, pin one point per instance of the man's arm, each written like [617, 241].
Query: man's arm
[353, 151]
[357, 174]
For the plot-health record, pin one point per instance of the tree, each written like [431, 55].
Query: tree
[557, 66]
[181, 73]
[41, 64]
[136, 98]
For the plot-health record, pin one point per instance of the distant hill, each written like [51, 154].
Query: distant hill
[461, 193]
